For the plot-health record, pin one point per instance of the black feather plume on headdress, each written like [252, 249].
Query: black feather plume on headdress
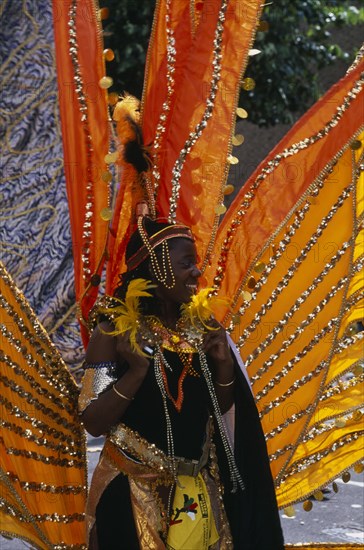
[135, 152]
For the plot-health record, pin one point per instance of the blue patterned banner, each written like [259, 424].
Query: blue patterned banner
[34, 222]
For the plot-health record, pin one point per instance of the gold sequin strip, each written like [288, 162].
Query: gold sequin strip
[24, 375]
[55, 518]
[18, 413]
[286, 240]
[199, 128]
[344, 342]
[340, 346]
[281, 452]
[44, 488]
[270, 167]
[291, 420]
[306, 462]
[295, 417]
[336, 386]
[295, 386]
[347, 341]
[161, 126]
[63, 462]
[81, 97]
[42, 442]
[358, 58]
[290, 313]
[321, 428]
[38, 329]
[292, 270]
[105, 302]
[21, 511]
[16, 388]
[147, 453]
[53, 360]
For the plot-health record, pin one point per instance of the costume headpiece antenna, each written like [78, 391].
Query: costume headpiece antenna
[134, 156]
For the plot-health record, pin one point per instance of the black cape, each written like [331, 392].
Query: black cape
[252, 513]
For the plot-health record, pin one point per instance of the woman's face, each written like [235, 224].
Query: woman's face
[186, 273]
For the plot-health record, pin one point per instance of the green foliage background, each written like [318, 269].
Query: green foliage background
[127, 32]
[297, 44]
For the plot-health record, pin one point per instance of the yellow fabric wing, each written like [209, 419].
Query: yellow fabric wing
[43, 475]
[291, 261]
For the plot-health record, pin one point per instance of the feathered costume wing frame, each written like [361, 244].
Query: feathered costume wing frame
[291, 260]
[287, 253]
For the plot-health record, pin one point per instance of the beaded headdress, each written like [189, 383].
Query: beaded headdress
[150, 236]
[150, 242]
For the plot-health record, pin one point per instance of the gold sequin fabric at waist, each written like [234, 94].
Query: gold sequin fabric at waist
[144, 458]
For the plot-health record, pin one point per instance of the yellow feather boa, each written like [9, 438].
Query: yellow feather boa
[126, 315]
[194, 315]
[201, 309]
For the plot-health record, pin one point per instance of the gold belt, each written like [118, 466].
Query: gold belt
[186, 467]
[143, 454]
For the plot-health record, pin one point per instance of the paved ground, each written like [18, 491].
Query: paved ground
[338, 518]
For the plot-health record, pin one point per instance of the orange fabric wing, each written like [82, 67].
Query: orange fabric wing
[84, 119]
[197, 53]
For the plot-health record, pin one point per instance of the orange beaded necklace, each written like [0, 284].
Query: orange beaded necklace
[173, 341]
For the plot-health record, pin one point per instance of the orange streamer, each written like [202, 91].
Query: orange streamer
[85, 138]
[205, 169]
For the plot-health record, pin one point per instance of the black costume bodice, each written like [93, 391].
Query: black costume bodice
[146, 413]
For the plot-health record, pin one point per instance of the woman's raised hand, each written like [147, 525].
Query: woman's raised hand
[126, 352]
[216, 346]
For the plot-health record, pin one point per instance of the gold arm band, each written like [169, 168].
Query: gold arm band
[226, 385]
[121, 394]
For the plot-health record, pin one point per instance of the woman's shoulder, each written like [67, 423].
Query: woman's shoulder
[102, 311]
[102, 344]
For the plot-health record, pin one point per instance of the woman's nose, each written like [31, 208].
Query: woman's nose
[196, 272]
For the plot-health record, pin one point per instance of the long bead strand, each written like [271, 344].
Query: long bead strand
[234, 472]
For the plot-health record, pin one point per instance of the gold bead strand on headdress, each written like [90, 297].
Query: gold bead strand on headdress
[167, 265]
[166, 259]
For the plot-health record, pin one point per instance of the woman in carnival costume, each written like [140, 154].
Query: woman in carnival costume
[288, 255]
[160, 374]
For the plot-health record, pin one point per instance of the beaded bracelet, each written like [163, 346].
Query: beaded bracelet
[121, 394]
[225, 385]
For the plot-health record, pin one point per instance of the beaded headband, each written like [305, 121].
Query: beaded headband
[150, 243]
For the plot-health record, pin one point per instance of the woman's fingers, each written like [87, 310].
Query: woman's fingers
[128, 352]
[215, 338]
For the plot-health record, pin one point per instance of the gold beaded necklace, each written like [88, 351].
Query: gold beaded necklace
[173, 341]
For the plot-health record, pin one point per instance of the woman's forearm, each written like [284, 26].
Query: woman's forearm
[108, 409]
[224, 381]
